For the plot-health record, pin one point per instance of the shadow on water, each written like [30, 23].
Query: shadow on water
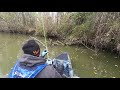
[85, 63]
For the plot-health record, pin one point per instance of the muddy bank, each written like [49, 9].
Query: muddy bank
[111, 48]
[26, 32]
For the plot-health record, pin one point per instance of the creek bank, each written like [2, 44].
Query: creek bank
[56, 39]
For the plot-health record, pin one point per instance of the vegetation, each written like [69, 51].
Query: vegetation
[99, 30]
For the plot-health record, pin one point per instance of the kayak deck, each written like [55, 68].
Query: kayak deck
[63, 64]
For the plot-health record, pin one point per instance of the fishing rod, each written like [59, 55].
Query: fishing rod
[44, 34]
[45, 45]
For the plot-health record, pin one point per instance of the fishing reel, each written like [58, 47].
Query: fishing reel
[44, 52]
[48, 60]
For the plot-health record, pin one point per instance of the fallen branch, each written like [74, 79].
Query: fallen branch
[88, 48]
[60, 42]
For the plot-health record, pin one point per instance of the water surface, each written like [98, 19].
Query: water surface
[85, 63]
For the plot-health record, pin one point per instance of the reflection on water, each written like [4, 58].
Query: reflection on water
[85, 63]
